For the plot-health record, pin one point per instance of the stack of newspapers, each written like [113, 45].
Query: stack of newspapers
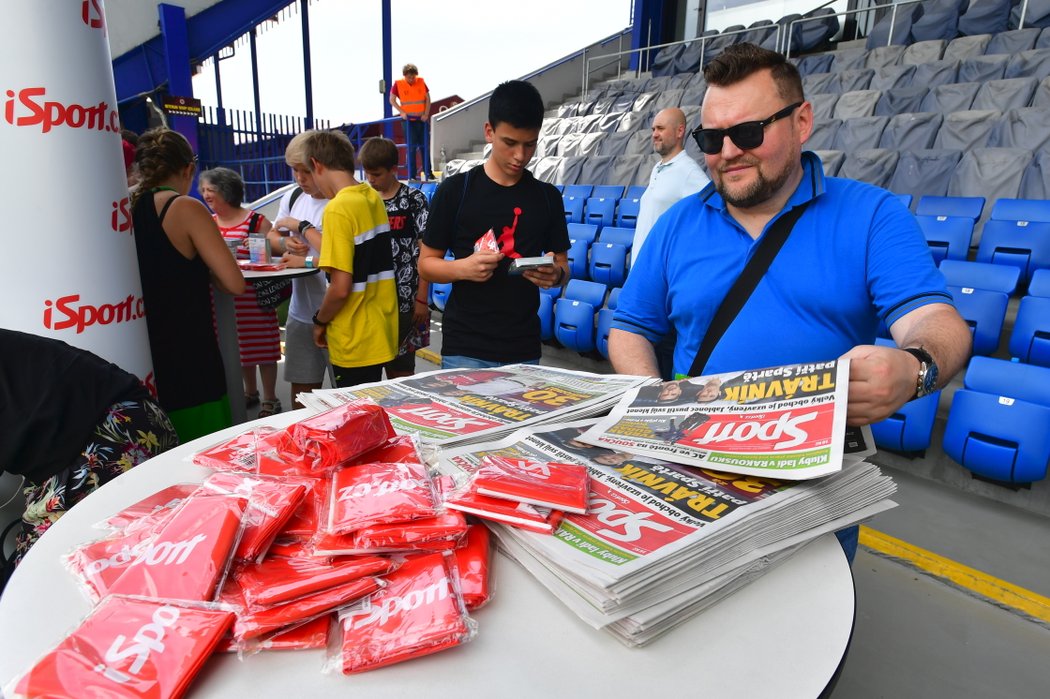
[662, 541]
[462, 406]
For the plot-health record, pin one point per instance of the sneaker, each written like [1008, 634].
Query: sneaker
[251, 399]
[270, 407]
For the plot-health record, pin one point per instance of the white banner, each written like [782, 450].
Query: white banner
[71, 271]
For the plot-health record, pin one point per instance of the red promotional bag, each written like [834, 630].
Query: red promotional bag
[98, 564]
[547, 484]
[153, 506]
[128, 647]
[472, 561]
[369, 494]
[517, 514]
[441, 533]
[419, 612]
[234, 454]
[326, 440]
[281, 580]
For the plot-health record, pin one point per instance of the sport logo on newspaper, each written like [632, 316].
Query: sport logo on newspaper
[750, 432]
[443, 418]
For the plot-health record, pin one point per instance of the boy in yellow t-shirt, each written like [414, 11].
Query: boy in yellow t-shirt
[357, 320]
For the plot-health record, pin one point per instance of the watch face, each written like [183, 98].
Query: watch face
[929, 382]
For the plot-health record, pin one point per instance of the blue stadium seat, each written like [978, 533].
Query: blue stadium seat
[984, 311]
[1022, 244]
[965, 207]
[603, 326]
[909, 429]
[573, 208]
[981, 275]
[546, 314]
[577, 255]
[428, 188]
[948, 236]
[1040, 284]
[614, 298]
[627, 213]
[619, 236]
[607, 191]
[905, 199]
[1021, 210]
[600, 212]
[635, 191]
[413, 184]
[608, 263]
[1030, 339]
[583, 231]
[574, 314]
[439, 294]
[997, 423]
[560, 188]
[588, 292]
[578, 191]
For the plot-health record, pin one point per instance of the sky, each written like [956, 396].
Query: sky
[462, 47]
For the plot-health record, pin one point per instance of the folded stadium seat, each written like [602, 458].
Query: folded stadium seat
[935, 73]
[778, 42]
[583, 231]
[954, 97]
[759, 31]
[568, 144]
[923, 171]
[1030, 339]
[660, 83]
[1012, 209]
[1029, 64]
[573, 207]
[1035, 182]
[1022, 244]
[966, 46]
[891, 77]
[569, 109]
[428, 189]
[617, 235]
[688, 60]
[549, 128]
[614, 143]
[581, 191]
[574, 314]
[905, 199]
[693, 95]
[859, 103]
[910, 429]
[643, 101]
[546, 168]
[939, 20]
[604, 322]
[816, 34]
[1013, 41]
[815, 63]
[546, 145]
[600, 211]
[850, 80]
[994, 173]
[872, 165]
[832, 161]
[1040, 284]
[899, 23]
[604, 105]
[560, 188]
[901, 100]
[1041, 98]
[590, 144]
[608, 263]
[948, 236]
[590, 124]
[623, 102]
[634, 192]
[859, 133]
[627, 213]
[453, 166]
[822, 137]
[1037, 14]
[1011, 93]
[848, 59]
[668, 98]
[577, 254]
[546, 315]
[967, 129]
[985, 16]
[641, 175]
[608, 191]
[1043, 42]
[923, 52]
[641, 143]
[439, 295]
[884, 56]
[820, 83]
[717, 44]
[997, 423]
[638, 121]
[980, 275]
[663, 61]
[984, 311]
[959, 207]
[595, 168]
[979, 69]
[624, 168]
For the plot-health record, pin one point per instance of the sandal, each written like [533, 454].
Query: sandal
[270, 407]
[251, 399]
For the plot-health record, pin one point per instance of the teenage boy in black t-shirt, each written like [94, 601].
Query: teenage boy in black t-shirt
[490, 317]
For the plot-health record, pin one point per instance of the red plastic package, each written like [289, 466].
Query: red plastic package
[189, 556]
[517, 514]
[328, 439]
[547, 484]
[369, 494]
[250, 625]
[281, 580]
[156, 504]
[308, 636]
[403, 448]
[270, 461]
[235, 454]
[289, 548]
[98, 564]
[128, 647]
[419, 612]
[472, 561]
[487, 242]
[272, 502]
[308, 518]
[441, 533]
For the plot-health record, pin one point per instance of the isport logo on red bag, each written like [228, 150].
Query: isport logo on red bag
[27, 107]
[148, 639]
[67, 312]
[91, 13]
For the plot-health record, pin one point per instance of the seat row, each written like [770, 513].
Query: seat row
[947, 20]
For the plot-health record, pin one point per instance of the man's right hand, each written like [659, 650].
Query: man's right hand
[479, 266]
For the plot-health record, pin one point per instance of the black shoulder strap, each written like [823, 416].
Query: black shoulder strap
[296, 193]
[253, 222]
[164, 209]
[462, 198]
[745, 285]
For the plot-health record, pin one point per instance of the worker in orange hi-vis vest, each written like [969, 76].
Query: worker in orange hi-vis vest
[411, 97]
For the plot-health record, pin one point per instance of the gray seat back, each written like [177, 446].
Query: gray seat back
[934, 73]
[966, 46]
[939, 20]
[624, 168]
[1029, 64]
[992, 173]
[924, 172]
[901, 100]
[1026, 127]
[1035, 182]
[872, 165]
[1005, 94]
[1011, 42]
[882, 56]
[860, 133]
[891, 77]
[822, 137]
[982, 16]
[614, 143]
[832, 160]
[966, 130]
[955, 97]
[912, 131]
[823, 106]
[981, 68]
[858, 103]
[851, 80]
[923, 52]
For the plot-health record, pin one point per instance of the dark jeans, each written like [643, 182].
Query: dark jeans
[345, 377]
[415, 140]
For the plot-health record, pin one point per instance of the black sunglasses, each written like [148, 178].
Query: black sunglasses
[746, 135]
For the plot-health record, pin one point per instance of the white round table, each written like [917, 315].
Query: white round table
[783, 635]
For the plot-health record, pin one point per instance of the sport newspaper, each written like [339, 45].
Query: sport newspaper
[456, 405]
[643, 512]
[786, 422]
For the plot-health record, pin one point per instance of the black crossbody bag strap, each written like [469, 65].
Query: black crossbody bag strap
[745, 285]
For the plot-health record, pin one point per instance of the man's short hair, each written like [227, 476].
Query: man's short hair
[330, 148]
[378, 153]
[227, 184]
[518, 103]
[740, 61]
[410, 69]
[295, 153]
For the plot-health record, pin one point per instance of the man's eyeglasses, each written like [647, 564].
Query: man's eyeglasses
[746, 135]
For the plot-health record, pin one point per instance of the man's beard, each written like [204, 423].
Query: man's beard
[758, 192]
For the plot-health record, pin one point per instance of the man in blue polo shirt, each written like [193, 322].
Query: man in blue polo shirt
[854, 258]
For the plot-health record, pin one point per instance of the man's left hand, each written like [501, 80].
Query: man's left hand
[320, 339]
[545, 277]
[881, 380]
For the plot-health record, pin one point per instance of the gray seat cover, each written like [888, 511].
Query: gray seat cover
[924, 172]
[923, 52]
[872, 165]
[912, 131]
[981, 68]
[822, 137]
[890, 77]
[966, 46]
[934, 73]
[901, 100]
[950, 98]
[857, 104]
[1005, 94]
[1024, 127]
[1034, 63]
[832, 160]
[860, 133]
[966, 130]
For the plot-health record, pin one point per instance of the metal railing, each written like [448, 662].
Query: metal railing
[786, 48]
